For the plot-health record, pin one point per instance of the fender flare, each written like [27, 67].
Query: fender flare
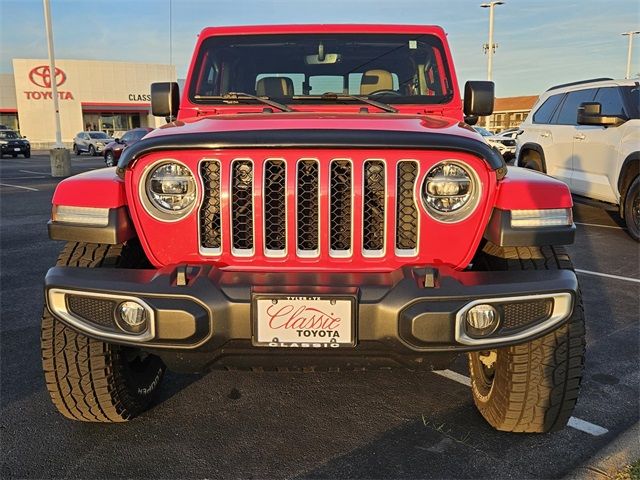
[630, 170]
[537, 148]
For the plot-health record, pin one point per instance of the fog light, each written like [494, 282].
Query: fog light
[132, 317]
[482, 320]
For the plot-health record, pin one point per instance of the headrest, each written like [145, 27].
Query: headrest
[274, 87]
[373, 80]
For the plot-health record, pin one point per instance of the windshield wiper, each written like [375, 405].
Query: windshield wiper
[239, 96]
[368, 101]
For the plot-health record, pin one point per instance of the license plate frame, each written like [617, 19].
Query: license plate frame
[16, 149]
[261, 337]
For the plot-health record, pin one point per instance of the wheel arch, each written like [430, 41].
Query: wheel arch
[630, 170]
[536, 148]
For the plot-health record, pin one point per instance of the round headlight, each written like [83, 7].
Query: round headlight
[450, 191]
[171, 188]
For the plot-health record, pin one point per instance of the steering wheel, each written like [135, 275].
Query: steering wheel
[385, 91]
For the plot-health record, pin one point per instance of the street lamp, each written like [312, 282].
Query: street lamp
[59, 155]
[490, 48]
[630, 35]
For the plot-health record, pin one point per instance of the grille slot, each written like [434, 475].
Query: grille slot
[275, 211]
[242, 207]
[406, 210]
[210, 223]
[340, 207]
[95, 310]
[373, 207]
[307, 207]
[518, 315]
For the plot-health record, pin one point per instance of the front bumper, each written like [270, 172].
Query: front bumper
[20, 148]
[203, 315]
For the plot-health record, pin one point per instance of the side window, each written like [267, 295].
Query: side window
[543, 114]
[569, 110]
[326, 83]
[127, 137]
[611, 101]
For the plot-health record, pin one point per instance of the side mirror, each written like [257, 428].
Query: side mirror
[478, 98]
[165, 99]
[117, 140]
[589, 114]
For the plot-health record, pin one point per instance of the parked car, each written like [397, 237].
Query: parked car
[587, 134]
[113, 150]
[11, 143]
[246, 234]
[92, 143]
[502, 143]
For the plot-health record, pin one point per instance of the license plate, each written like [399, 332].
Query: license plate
[303, 321]
[16, 149]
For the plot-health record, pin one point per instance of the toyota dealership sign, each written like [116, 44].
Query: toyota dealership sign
[41, 77]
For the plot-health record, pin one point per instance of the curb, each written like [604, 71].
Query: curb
[612, 458]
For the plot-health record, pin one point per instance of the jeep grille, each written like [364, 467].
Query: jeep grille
[348, 224]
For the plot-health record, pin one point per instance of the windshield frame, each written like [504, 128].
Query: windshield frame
[431, 38]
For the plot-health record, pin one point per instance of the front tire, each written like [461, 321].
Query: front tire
[531, 387]
[92, 151]
[27, 155]
[87, 379]
[109, 159]
[632, 209]
[76, 150]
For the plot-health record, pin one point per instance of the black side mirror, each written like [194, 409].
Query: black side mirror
[117, 140]
[589, 113]
[471, 119]
[165, 99]
[479, 96]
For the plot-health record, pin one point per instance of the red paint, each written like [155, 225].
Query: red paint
[97, 188]
[524, 189]
[178, 242]
[445, 245]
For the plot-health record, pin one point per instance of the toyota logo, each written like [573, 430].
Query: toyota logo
[41, 76]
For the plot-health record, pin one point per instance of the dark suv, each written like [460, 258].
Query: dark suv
[11, 143]
[113, 150]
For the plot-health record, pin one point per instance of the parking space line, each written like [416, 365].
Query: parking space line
[455, 376]
[31, 171]
[587, 427]
[23, 178]
[18, 186]
[598, 225]
[608, 275]
[574, 422]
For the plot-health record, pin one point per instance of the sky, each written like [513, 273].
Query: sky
[540, 42]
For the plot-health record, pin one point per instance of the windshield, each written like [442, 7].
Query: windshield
[301, 68]
[8, 134]
[99, 135]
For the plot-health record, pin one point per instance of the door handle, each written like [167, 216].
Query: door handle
[579, 136]
[545, 134]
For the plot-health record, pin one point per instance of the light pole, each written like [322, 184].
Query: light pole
[630, 48]
[59, 156]
[490, 48]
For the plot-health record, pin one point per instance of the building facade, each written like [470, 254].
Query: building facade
[509, 112]
[92, 95]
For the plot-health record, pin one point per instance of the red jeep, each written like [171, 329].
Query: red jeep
[316, 201]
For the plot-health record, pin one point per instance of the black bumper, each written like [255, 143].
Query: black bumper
[11, 148]
[202, 315]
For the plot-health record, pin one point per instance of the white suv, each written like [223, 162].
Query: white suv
[587, 134]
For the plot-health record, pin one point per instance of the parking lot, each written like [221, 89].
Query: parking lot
[385, 424]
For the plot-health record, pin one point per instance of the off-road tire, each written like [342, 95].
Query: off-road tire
[535, 385]
[632, 209]
[87, 379]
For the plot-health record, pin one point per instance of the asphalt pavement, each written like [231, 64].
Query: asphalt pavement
[381, 424]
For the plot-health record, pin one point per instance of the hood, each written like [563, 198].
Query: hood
[304, 130]
[318, 121]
